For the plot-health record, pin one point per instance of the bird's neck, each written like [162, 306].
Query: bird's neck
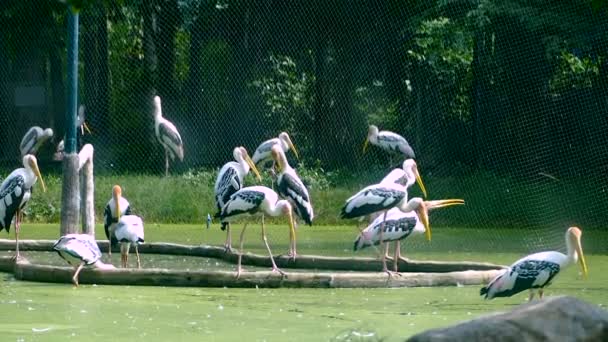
[243, 164]
[278, 208]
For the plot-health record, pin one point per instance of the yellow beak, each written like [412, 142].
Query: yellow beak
[581, 259]
[117, 201]
[253, 168]
[293, 147]
[39, 175]
[365, 144]
[419, 181]
[424, 216]
[86, 127]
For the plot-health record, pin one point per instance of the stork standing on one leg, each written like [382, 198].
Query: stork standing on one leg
[167, 135]
[399, 225]
[80, 250]
[292, 188]
[382, 197]
[117, 206]
[536, 271]
[33, 139]
[15, 192]
[250, 201]
[230, 180]
[129, 230]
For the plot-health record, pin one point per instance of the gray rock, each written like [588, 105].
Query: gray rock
[552, 319]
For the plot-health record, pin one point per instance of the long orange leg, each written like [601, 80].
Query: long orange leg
[228, 244]
[17, 229]
[75, 277]
[274, 265]
[241, 240]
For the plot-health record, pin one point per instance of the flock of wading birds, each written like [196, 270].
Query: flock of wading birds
[393, 216]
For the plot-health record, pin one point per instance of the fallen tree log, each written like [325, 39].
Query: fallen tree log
[23, 270]
[283, 261]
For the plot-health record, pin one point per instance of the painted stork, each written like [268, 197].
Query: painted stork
[15, 192]
[381, 197]
[291, 187]
[230, 180]
[129, 230]
[250, 201]
[536, 271]
[117, 206]
[33, 139]
[262, 154]
[389, 141]
[80, 250]
[399, 225]
[81, 123]
[167, 135]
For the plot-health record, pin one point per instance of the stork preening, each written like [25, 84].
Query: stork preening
[80, 250]
[82, 124]
[381, 197]
[230, 180]
[167, 135]
[536, 271]
[129, 230]
[399, 225]
[291, 187]
[263, 154]
[253, 200]
[116, 207]
[389, 141]
[33, 139]
[15, 192]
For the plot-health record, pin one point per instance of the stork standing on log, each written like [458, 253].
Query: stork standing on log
[129, 230]
[81, 123]
[230, 180]
[390, 142]
[80, 250]
[381, 197]
[167, 135]
[250, 201]
[33, 139]
[399, 225]
[117, 206]
[291, 187]
[536, 271]
[15, 192]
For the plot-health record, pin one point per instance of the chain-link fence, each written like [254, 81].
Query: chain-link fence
[504, 101]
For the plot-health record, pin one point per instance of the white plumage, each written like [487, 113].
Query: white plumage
[80, 123]
[253, 200]
[292, 188]
[116, 207]
[536, 271]
[79, 250]
[33, 139]
[129, 230]
[167, 135]
[15, 192]
[389, 141]
[262, 154]
[230, 180]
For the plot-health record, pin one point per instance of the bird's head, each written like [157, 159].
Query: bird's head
[284, 137]
[243, 153]
[422, 209]
[30, 162]
[411, 169]
[81, 120]
[48, 132]
[117, 194]
[573, 234]
[279, 157]
[371, 131]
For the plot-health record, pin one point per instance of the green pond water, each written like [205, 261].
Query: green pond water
[58, 312]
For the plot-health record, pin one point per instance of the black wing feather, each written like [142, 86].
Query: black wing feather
[165, 131]
[8, 192]
[253, 197]
[527, 272]
[393, 197]
[291, 188]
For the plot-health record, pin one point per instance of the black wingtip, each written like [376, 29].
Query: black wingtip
[224, 225]
[483, 291]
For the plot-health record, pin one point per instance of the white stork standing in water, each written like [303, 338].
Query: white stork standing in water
[167, 135]
[389, 141]
[129, 230]
[262, 154]
[250, 201]
[399, 225]
[536, 271]
[291, 187]
[80, 250]
[116, 207]
[381, 197]
[81, 123]
[33, 139]
[230, 180]
[15, 192]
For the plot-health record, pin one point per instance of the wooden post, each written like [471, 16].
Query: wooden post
[87, 187]
[70, 195]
